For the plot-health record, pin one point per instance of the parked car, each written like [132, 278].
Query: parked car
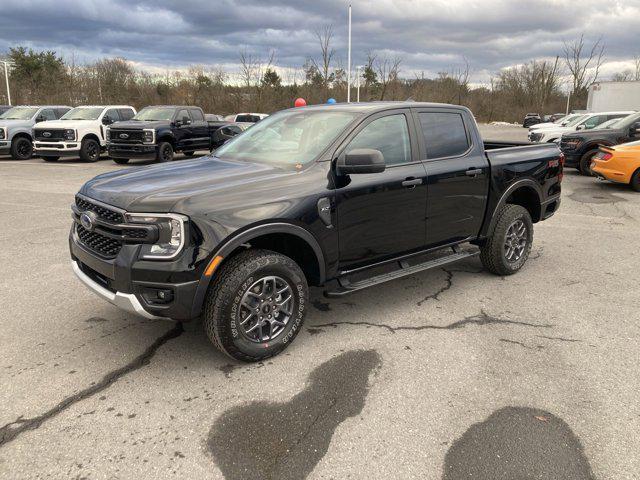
[158, 132]
[564, 121]
[16, 127]
[531, 119]
[619, 164]
[554, 117]
[210, 117]
[227, 132]
[580, 147]
[4, 108]
[79, 132]
[246, 117]
[310, 195]
[586, 122]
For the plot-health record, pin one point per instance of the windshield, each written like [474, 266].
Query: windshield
[576, 120]
[19, 113]
[608, 123]
[151, 114]
[625, 122]
[83, 113]
[567, 118]
[289, 138]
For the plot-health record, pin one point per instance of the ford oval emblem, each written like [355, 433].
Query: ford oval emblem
[124, 135]
[87, 220]
[46, 134]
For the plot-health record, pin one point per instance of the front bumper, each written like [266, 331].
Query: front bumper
[132, 284]
[56, 149]
[139, 151]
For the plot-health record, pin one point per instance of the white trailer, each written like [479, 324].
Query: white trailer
[609, 96]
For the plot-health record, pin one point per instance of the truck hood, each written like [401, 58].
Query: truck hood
[15, 123]
[65, 124]
[140, 124]
[594, 133]
[173, 186]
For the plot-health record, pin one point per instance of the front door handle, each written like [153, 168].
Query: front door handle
[473, 172]
[412, 182]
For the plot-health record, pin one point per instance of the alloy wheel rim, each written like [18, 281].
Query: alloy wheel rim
[92, 150]
[515, 242]
[166, 153]
[23, 149]
[265, 309]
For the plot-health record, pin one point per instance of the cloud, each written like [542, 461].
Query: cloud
[430, 35]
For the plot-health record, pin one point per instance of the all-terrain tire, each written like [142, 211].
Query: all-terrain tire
[164, 152]
[493, 252]
[223, 304]
[585, 162]
[21, 148]
[635, 180]
[121, 161]
[90, 150]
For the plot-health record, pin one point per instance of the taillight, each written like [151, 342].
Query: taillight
[604, 156]
[561, 167]
[561, 158]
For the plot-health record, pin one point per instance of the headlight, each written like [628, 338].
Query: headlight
[3, 134]
[171, 234]
[149, 136]
[69, 134]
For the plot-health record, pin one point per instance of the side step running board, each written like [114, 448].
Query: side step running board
[343, 286]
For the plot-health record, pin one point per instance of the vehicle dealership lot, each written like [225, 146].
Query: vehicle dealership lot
[432, 376]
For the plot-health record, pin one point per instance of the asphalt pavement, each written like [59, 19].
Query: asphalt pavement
[452, 373]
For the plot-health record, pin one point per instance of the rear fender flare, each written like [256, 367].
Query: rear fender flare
[525, 182]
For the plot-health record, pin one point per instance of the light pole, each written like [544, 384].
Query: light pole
[6, 78]
[349, 60]
[358, 83]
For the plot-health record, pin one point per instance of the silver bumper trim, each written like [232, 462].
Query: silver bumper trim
[125, 301]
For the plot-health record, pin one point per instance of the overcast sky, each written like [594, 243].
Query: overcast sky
[430, 35]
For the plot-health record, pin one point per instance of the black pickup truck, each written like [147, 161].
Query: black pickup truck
[159, 131]
[342, 196]
[580, 147]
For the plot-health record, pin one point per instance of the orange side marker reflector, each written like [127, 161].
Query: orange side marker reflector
[213, 264]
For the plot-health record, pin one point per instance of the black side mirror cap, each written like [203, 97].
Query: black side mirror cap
[361, 160]
[635, 129]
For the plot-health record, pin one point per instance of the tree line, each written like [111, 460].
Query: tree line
[39, 77]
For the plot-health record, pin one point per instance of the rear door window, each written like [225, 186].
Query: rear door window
[444, 134]
[113, 114]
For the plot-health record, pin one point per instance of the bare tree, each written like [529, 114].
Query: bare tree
[584, 67]
[387, 71]
[323, 66]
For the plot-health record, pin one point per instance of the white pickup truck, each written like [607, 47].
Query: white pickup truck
[78, 133]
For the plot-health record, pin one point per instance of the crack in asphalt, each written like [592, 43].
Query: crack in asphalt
[12, 430]
[523, 345]
[448, 283]
[562, 339]
[480, 319]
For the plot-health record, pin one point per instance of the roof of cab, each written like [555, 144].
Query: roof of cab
[370, 107]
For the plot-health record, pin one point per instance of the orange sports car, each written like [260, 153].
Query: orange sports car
[619, 164]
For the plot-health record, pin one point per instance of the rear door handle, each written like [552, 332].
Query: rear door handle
[473, 172]
[412, 182]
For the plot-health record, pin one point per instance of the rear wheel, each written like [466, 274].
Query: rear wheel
[256, 305]
[21, 148]
[509, 244]
[165, 152]
[120, 161]
[585, 162]
[635, 181]
[90, 150]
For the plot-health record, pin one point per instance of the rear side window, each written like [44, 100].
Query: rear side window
[126, 113]
[444, 134]
[388, 134]
[48, 114]
[196, 115]
[247, 118]
[182, 114]
[113, 114]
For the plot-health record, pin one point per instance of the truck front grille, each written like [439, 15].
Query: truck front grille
[49, 135]
[105, 246]
[104, 213]
[125, 136]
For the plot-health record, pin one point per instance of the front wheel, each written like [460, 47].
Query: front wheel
[585, 162]
[165, 152]
[90, 150]
[256, 305]
[21, 148]
[508, 246]
[635, 181]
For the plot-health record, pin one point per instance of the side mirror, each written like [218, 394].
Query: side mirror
[635, 129]
[580, 127]
[106, 120]
[186, 121]
[361, 160]
[40, 118]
